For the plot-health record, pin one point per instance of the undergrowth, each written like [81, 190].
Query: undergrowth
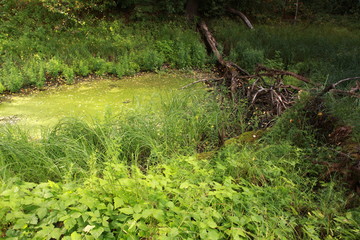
[266, 193]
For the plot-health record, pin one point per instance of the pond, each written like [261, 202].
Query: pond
[91, 99]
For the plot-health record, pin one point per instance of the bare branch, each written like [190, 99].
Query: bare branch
[344, 80]
[333, 86]
[283, 73]
[242, 16]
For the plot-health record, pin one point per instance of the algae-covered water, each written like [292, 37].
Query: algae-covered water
[91, 99]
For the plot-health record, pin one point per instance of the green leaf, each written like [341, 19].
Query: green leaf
[105, 222]
[213, 235]
[21, 224]
[210, 222]
[137, 216]
[170, 205]
[146, 213]
[33, 219]
[75, 215]
[238, 232]
[42, 212]
[97, 232]
[45, 232]
[137, 208]
[56, 233]
[174, 232]
[127, 211]
[184, 185]
[158, 214]
[118, 202]
[75, 236]
[216, 214]
[89, 201]
[69, 223]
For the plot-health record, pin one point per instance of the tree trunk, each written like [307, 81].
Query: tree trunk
[231, 70]
[191, 9]
[211, 42]
[296, 11]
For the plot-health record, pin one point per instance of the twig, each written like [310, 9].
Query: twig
[239, 68]
[333, 86]
[344, 80]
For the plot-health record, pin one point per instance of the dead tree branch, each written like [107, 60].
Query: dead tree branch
[352, 91]
[242, 16]
[270, 71]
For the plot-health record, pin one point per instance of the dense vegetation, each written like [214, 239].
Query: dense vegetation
[166, 173]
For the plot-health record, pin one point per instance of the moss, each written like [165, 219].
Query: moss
[205, 155]
[246, 138]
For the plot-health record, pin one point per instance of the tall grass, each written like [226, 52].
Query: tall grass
[184, 124]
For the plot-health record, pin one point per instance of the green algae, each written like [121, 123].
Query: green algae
[93, 99]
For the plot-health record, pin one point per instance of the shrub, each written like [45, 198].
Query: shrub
[2, 88]
[68, 74]
[54, 67]
[150, 60]
[11, 77]
[82, 68]
[34, 72]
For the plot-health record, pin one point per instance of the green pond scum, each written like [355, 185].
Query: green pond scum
[92, 99]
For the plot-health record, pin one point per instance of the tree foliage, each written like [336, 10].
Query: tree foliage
[208, 8]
